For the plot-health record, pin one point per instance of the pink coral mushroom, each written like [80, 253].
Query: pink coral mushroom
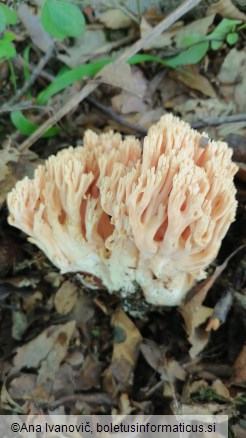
[153, 219]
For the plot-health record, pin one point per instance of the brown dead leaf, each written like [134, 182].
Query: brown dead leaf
[66, 297]
[127, 78]
[126, 102]
[7, 401]
[115, 19]
[46, 351]
[85, 47]
[233, 79]
[13, 172]
[195, 81]
[153, 354]
[195, 314]
[127, 340]
[7, 154]
[177, 32]
[90, 374]
[198, 109]
[226, 9]
[239, 431]
[32, 23]
[240, 368]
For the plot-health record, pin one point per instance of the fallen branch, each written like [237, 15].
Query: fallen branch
[92, 85]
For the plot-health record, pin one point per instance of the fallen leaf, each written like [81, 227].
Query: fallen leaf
[219, 387]
[90, 374]
[153, 354]
[7, 154]
[14, 172]
[176, 33]
[127, 78]
[126, 102]
[226, 9]
[115, 19]
[32, 23]
[240, 368]
[127, 340]
[195, 314]
[195, 81]
[66, 297]
[46, 351]
[85, 47]
[198, 109]
[232, 78]
[239, 432]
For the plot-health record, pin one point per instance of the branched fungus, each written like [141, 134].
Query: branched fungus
[153, 219]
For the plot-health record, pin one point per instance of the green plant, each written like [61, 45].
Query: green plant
[196, 46]
[7, 16]
[62, 19]
[28, 128]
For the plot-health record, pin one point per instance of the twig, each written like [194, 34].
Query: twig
[22, 106]
[218, 121]
[91, 86]
[113, 115]
[43, 61]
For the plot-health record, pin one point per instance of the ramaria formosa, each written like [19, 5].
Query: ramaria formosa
[153, 218]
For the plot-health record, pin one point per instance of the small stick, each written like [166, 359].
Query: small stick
[218, 121]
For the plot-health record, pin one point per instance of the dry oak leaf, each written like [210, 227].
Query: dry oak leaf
[46, 351]
[66, 297]
[240, 368]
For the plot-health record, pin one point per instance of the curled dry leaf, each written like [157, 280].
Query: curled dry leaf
[66, 297]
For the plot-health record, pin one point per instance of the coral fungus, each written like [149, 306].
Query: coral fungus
[153, 218]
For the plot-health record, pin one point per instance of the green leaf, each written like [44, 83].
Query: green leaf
[28, 128]
[10, 14]
[224, 27]
[189, 40]
[3, 20]
[232, 38]
[62, 19]
[192, 55]
[7, 48]
[76, 74]
[66, 79]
